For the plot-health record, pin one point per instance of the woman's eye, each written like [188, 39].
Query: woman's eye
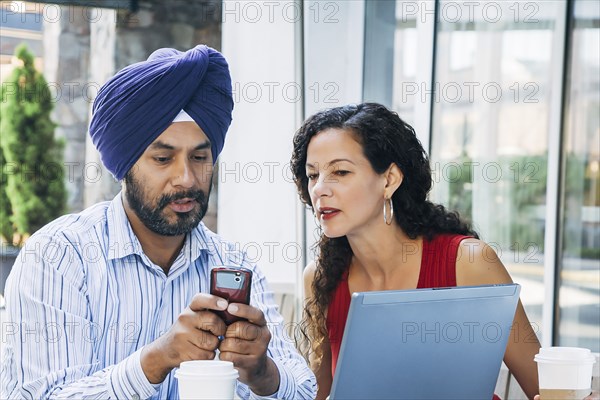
[311, 177]
[342, 172]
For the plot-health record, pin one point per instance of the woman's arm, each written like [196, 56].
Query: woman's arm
[478, 264]
[321, 370]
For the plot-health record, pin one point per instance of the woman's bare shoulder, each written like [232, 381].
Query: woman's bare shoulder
[478, 264]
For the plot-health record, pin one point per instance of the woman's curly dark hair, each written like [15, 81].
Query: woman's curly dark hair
[386, 139]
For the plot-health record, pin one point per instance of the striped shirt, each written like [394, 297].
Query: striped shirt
[83, 299]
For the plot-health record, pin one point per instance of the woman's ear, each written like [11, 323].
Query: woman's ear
[393, 179]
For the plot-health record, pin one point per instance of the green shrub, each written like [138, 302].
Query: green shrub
[33, 166]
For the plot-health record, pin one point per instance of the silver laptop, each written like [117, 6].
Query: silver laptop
[445, 343]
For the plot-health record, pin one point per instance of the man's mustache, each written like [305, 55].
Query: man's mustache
[197, 195]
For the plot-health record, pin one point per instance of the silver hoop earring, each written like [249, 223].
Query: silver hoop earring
[385, 217]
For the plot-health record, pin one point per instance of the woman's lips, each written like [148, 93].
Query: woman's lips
[328, 213]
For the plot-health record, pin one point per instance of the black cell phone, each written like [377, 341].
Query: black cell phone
[233, 284]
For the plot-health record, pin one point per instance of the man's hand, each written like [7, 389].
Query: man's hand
[245, 345]
[194, 336]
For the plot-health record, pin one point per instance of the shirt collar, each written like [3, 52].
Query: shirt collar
[123, 241]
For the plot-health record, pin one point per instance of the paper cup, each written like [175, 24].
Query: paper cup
[206, 380]
[564, 372]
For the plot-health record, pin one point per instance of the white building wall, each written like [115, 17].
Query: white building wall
[257, 198]
[333, 55]
[284, 68]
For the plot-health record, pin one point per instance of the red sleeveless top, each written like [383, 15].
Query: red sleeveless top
[438, 269]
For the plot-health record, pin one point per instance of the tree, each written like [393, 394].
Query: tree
[6, 226]
[33, 157]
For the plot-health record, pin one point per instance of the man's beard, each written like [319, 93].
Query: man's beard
[153, 216]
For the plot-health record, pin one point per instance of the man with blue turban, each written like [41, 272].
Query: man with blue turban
[106, 303]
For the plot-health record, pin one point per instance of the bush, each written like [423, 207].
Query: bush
[33, 167]
[6, 228]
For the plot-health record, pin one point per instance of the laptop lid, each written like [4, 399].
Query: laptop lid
[443, 343]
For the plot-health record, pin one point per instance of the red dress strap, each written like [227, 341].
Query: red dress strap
[337, 313]
[438, 262]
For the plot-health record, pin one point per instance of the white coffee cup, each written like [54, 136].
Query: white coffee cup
[206, 379]
[564, 372]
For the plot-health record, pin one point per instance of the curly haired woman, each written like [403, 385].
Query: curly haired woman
[349, 164]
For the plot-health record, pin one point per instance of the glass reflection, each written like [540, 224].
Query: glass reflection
[494, 69]
[579, 294]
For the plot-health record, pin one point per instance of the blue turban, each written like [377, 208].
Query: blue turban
[136, 105]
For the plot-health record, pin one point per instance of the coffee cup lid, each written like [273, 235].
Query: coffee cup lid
[213, 368]
[565, 355]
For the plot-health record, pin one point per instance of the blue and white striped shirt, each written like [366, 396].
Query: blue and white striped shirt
[83, 299]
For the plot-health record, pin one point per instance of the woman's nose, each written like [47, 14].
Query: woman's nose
[322, 187]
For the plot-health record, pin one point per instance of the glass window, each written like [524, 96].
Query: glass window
[398, 58]
[579, 278]
[492, 109]
[491, 113]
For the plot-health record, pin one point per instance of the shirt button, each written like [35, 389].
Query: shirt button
[135, 397]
